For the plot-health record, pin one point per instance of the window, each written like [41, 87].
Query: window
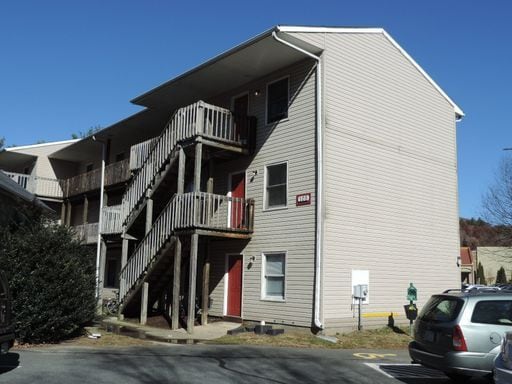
[274, 276]
[277, 100]
[276, 185]
[88, 167]
[497, 312]
[440, 309]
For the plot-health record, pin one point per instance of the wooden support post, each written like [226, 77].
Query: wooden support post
[149, 211]
[144, 303]
[124, 252]
[209, 184]
[85, 212]
[181, 172]
[63, 213]
[105, 198]
[175, 306]
[197, 167]
[103, 262]
[206, 284]
[192, 276]
[68, 213]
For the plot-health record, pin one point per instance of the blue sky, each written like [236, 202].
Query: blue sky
[66, 66]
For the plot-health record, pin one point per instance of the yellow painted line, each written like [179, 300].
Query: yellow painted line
[380, 314]
[372, 356]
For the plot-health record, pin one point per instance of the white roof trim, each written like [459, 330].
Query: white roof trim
[41, 145]
[458, 111]
[294, 29]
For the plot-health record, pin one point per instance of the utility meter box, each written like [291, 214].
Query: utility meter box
[361, 291]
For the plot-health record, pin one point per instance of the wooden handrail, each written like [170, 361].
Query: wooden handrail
[196, 119]
[115, 173]
[192, 210]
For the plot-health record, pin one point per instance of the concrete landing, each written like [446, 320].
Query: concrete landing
[180, 336]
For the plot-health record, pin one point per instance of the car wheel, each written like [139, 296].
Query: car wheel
[457, 378]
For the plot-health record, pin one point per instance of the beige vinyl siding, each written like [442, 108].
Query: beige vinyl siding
[390, 177]
[290, 230]
[44, 167]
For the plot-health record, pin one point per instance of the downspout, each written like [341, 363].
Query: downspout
[319, 186]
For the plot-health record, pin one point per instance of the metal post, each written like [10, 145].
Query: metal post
[359, 325]
[98, 247]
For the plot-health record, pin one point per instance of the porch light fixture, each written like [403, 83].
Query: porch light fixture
[257, 92]
[251, 174]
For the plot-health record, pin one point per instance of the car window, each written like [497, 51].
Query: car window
[497, 312]
[441, 309]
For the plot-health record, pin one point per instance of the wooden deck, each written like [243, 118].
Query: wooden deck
[115, 173]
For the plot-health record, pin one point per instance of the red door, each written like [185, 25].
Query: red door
[237, 201]
[234, 286]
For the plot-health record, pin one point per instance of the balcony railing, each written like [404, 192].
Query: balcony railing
[39, 186]
[87, 233]
[115, 173]
[111, 222]
[212, 122]
[139, 152]
[195, 210]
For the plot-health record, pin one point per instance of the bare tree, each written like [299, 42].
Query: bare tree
[497, 202]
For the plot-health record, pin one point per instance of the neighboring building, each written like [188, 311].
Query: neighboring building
[283, 172]
[468, 267]
[492, 259]
[31, 167]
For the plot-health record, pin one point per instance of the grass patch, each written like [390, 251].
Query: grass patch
[107, 339]
[383, 338]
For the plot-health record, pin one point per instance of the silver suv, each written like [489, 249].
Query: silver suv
[460, 332]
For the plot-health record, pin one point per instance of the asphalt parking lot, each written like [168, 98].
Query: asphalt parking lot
[212, 364]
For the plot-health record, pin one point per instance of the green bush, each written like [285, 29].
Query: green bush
[501, 276]
[52, 279]
[480, 276]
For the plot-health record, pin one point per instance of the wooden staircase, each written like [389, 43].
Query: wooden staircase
[152, 258]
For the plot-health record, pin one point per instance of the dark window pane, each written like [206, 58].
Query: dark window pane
[276, 174]
[276, 185]
[277, 101]
[275, 264]
[275, 287]
[493, 312]
[276, 196]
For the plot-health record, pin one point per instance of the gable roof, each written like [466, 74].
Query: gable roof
[251, 59]
[466, 257]
[297, 29]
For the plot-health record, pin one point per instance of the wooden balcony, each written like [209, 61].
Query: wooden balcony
[139, 152]
[217, 215]
[215, 126]
[115, 173]
[39, 186]
[87, 233]
[204, 213]
[111, 222]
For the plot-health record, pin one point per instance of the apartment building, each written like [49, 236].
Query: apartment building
[271, 179]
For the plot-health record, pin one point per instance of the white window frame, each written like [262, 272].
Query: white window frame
[264, 296]
[265, 177]
[266, 101]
